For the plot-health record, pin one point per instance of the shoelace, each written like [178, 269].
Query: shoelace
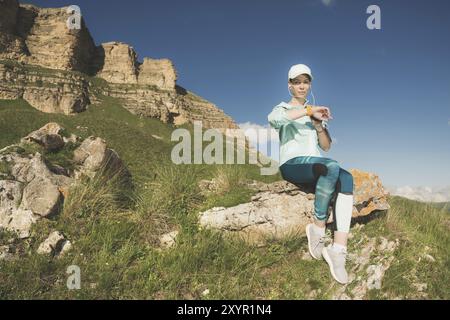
[321, 240]
[344, 255]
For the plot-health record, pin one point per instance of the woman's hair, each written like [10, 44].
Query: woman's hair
[301, 76]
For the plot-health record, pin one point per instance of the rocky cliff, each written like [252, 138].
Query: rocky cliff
[61, 70]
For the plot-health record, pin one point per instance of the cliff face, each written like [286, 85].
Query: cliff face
[51, 43]
[51, 92]
[57, 70]
[41, 37]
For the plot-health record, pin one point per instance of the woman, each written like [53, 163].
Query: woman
[302, 130]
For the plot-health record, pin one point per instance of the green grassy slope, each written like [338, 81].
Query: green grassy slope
[130, 135]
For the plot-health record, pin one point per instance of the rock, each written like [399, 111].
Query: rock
[48, 136]
[369, 194]
[205, 292]
[49, 41]
[157, 72]
[429, 258]
[12, 217]
[72, 138]
[375, 274]
[281, 208]
[168, 240]
[5, 253]
[66, 247]
[420, 287]
[42, 197]
[369, 265]
[51, 92]
[157, 137]
[306, 256]
[118, 63]
[93, 155]
[25, 168]
[55, 245]
[272, 215]
[58, 100]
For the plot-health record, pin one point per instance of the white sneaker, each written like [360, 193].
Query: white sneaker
[336, 261]
[316, 242]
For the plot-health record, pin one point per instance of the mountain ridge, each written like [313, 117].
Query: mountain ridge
[60, 70]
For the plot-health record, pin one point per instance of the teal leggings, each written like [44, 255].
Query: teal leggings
[325, 173]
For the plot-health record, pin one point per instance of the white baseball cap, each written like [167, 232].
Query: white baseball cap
[299, 69]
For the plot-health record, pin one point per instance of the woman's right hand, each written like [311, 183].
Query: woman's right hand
[321, 113]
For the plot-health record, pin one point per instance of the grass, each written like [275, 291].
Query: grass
[116, 249]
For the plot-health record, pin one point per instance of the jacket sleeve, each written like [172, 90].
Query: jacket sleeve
[278, 117]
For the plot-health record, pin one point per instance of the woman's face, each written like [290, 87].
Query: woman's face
[300, 86]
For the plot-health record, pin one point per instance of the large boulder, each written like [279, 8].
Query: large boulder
[42, 197]
[93, 155]
[369, 193]
[282, 209]
[31, 192]
[49, 136]
[12, 217]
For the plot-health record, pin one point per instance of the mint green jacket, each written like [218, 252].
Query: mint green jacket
[297, 137]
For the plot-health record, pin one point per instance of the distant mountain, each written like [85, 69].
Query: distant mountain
[442, 205]
[423, 193]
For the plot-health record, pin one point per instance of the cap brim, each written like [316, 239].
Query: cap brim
[310, 76]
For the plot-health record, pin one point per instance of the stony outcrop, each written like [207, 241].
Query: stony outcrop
[281, 209]
[93, 155]
[51, 43]
[31, 189]
[367, 266]
[157, 72]
[49, 136]
[55, 92]
[45, 59]
[117, 63]
[29, 192]
[170, 107]
[40, 36]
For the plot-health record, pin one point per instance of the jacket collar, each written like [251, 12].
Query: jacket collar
[288, 106]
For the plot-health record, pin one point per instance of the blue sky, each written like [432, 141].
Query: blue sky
[388, 89]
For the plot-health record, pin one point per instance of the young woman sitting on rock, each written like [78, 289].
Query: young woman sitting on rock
[302, 130]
